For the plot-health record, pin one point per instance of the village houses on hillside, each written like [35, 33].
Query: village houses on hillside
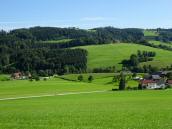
[155, 81]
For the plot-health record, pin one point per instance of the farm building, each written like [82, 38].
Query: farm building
[169, 83]
[153, 84]
[16, 75]
[20, 76]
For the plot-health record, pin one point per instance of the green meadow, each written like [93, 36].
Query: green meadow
[108, 110]
[102, 79]
[60, 84]
[103, 110]
[26, 88]
[112, 55]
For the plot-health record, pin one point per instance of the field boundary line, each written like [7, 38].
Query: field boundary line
[51, 95]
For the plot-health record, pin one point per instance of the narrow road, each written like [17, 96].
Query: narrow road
[51, 95]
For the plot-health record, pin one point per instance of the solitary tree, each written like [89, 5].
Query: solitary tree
[134, 75]
[90, 78]
[80, 78]
[122, 82]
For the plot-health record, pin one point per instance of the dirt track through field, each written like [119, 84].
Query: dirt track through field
[51, 95]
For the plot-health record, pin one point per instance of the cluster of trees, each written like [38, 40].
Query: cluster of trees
[144, 69]
[164, 35]
[43, 60]
[160, 46]
[90, 78]
[33, 37]
[169, 75]
[136, 59]
[168, 68]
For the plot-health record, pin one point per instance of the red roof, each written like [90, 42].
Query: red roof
[147, 81]
[169, 82]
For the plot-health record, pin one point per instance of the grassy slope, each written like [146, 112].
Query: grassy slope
[114, 110]
[113, 54]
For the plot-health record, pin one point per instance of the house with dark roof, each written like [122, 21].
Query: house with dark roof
[156, 80]
[156, 77]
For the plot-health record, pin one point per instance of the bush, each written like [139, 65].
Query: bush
[80, 78]
[31, 80]
[37, 78]
[90, 78]
[5, 79]
[45, 79]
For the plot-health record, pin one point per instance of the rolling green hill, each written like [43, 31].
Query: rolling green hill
[113, 54]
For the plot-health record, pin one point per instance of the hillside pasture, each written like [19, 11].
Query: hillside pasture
[100, 56]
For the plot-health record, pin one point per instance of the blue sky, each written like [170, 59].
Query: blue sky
[85, 13]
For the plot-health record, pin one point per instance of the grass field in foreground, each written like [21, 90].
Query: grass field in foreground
[111, 110]
[112, 55]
